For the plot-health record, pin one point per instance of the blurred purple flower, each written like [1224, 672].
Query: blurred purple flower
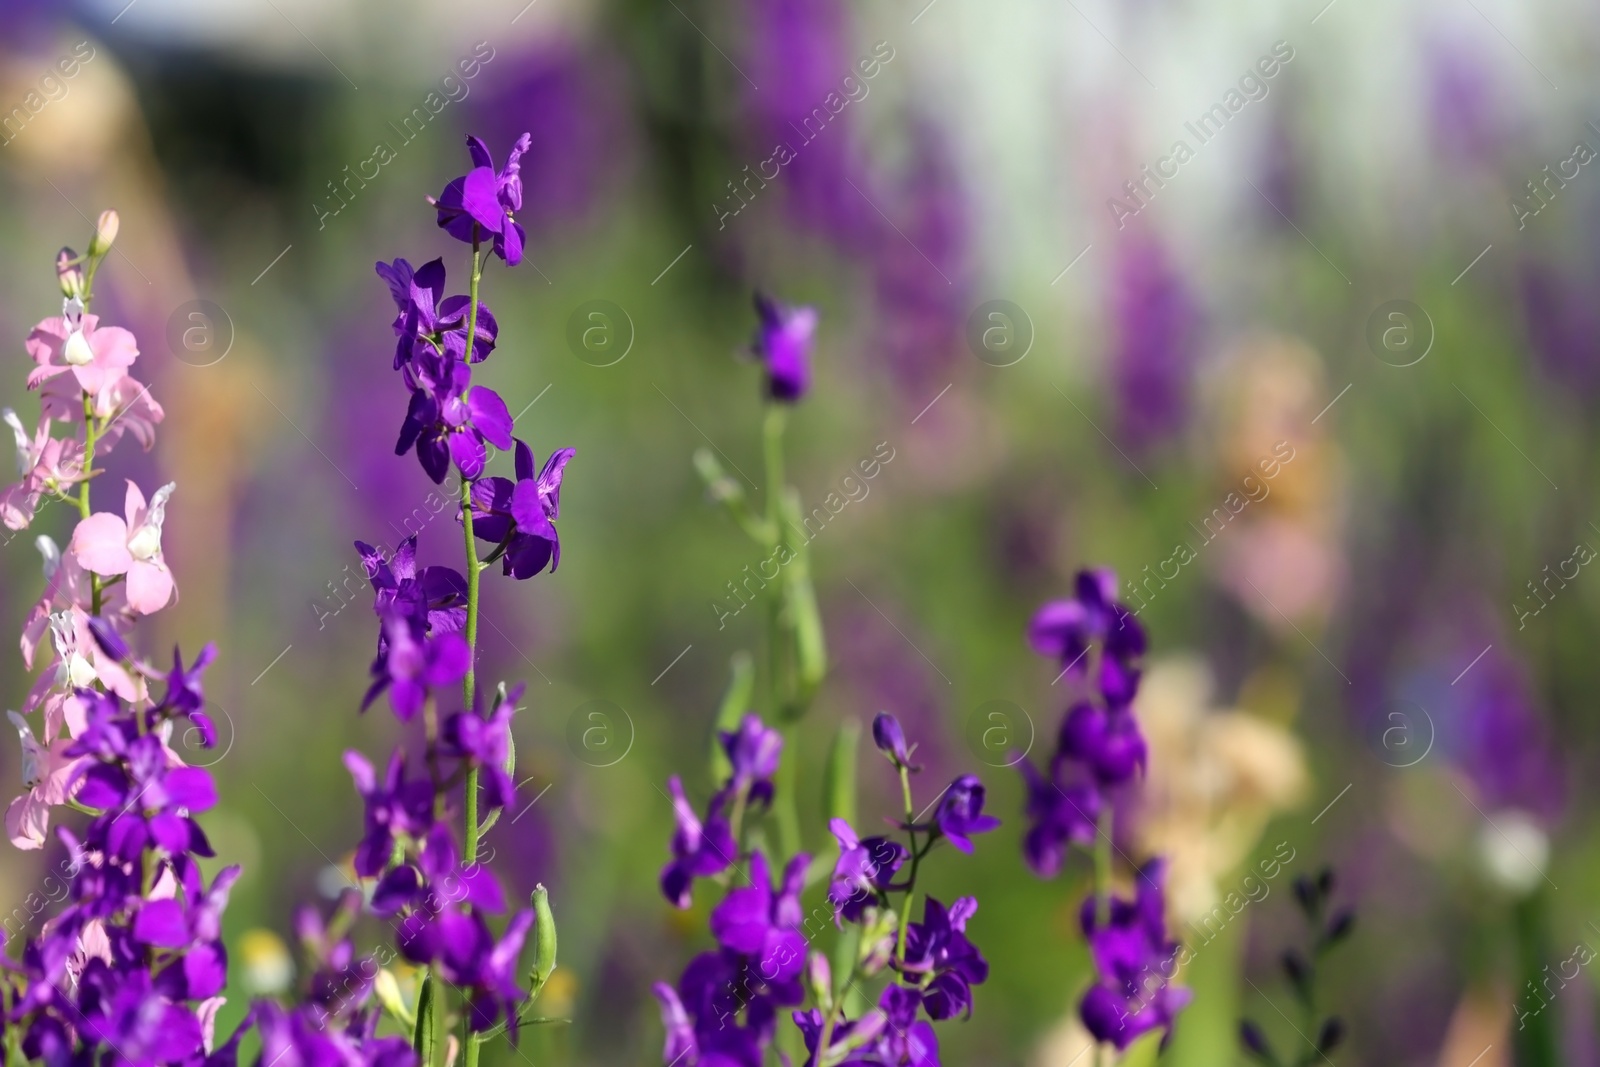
[1563, 323]
[1134, 958]
[1154, 346]
[783, 345]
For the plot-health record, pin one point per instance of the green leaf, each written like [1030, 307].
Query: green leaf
[421, 1032]
[840, 784]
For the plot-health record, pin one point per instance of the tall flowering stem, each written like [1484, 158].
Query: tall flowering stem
[1099, 753]
[796, 654]
[132, 968]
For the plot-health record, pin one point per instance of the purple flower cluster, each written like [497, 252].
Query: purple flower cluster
[724, 1009]
[1098, 643]
[423, 879]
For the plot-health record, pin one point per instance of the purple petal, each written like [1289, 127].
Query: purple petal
[161, 923]
[490, 416]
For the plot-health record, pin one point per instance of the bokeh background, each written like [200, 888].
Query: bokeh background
[1380, 260]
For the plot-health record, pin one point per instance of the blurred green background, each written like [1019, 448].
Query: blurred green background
[1382, 264]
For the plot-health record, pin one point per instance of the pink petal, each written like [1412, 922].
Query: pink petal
[27, 820]
[100, 543]
[150, 586]
[46, 340]
[133, 505]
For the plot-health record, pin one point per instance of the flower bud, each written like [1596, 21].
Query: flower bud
[820, 978]
[69, 272]
[105, 232]
[891, 740]
[544, 940]
[387, 990]
[878, 930]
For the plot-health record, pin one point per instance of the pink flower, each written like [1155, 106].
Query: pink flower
[66, 588]
[80, 663]
[47, 465]
[124, 404]
[71, 342]
[110, 546]
[45, 774]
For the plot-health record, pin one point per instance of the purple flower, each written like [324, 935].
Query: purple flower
[698, 849]
[408, 666]
[393, 806]
[864, 870]
[486, 742]
[522, 513]
[1135, 961]
[1106, 740]
[1064, 629]
[1154, 324]
[783, 344]
[761, 924]
[960, 812]
[850, 1042]
[429, 317]
[1061, 815]
[753, 750]
[891, 740]
[939, 955]
[433, 598]
[129, 767]
[449, 418]
[485, 201]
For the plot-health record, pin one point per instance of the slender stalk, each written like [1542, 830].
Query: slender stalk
[780, 675]
[469, 1046]
[1102, 870]
[903, 920]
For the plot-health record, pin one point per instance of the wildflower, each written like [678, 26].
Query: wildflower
[433, 598]
[393, 806]
[486, 743]
[409, 665]
[753, 750]
[47, 771]
[75, 342]
[48, 465]
[1062, 816]
[450, 418]
[1135, 962]
[426, 315]
[758, 923]
[110, 546]
[783, 344]
[939, 954]
[521, 513]
[484, 202]
[699, 850]
[864, 870]
[1064, 629]
[1107, 740]
[960, 812]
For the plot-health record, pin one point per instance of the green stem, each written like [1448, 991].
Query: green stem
[1102, 870]
[469, 1047]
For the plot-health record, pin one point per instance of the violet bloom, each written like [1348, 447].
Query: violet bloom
[185, 694]
[907, 1041]
[1064, 629]
[409, 665]
[522, 514]
[753, 750]
[486, 743]
[392, 806]
[147, 801]
[761, 924]
[1135, 961]
[433, 598]
[851, 1042]
[449, 418]
[485, 969]
[891, 740]
[699, 850]
[864, 870]
[427, 316]
[939, 954]
[1061, 816]
[960, 812]
[1106, 740]
[484, 202]
[1153, 354]
[783, 345]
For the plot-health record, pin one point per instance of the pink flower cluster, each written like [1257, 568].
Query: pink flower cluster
[112, 567]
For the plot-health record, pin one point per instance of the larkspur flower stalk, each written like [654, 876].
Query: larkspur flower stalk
[1328, 927]
[724, 1008]
[132, 969]
[1100, 750]
[796, 651]
[429, 883]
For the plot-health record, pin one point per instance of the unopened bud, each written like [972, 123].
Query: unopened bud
[388, 993]
[877, 940]
[105, 232]
[544, 940]
[819, 976]
[69, 272]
